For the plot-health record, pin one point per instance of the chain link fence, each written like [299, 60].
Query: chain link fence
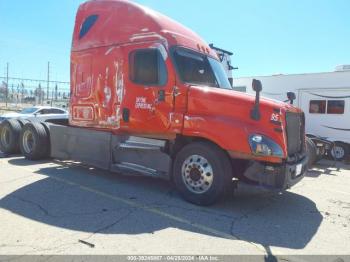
[19, 93]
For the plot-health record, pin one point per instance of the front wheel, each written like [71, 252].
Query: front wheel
[311, 152]
[340, 151]
[202, 173]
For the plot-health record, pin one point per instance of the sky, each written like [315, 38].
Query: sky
[266, 36]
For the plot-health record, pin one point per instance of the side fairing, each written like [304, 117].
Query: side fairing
[97, 88]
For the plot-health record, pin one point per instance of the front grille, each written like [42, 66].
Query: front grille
[295, 132]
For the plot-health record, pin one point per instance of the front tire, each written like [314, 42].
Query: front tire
[202, 173]
[311, 152]
[34, 141]
[9, 135]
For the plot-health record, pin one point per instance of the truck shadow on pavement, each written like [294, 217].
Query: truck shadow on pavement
[93, 201]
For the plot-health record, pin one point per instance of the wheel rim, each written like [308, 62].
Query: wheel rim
[28, 141]
[5, 136]
[197, 174]
[338, 152]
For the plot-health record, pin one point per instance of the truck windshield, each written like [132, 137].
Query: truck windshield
[220, 74]
[195, 68]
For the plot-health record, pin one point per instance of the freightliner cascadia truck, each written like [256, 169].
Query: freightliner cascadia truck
[149, 97]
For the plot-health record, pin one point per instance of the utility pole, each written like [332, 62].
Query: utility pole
[22, 92]
[40, 94]
[56, 92]
[7, 82]
[48, 81]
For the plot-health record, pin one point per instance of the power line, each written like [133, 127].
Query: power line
[34, 80]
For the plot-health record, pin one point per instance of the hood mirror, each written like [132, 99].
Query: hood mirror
[291, 97]
[255, 112]
[257, 86]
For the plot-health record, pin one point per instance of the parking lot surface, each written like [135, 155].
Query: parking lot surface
[55, 207]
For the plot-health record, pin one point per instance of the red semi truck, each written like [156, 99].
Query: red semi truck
[150, 97]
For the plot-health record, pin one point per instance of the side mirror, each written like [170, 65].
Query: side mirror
[255, 112]
[291, 97]
[257, 86]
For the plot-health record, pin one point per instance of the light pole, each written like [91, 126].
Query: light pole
[7, 81]
[48, 81]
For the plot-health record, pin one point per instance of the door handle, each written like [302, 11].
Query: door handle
[126, 114]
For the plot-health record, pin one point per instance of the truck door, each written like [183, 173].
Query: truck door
[148, 100]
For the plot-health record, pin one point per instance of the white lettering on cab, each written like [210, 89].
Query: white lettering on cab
[141, 103]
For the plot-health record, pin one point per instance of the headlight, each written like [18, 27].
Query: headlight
[264, 146]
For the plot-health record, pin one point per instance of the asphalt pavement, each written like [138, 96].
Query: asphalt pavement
[52, 207]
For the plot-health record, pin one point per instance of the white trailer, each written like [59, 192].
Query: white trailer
[225, 58]
[324, 97]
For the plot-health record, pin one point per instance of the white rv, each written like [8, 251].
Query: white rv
[324, 97]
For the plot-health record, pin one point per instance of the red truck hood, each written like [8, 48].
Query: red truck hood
[230, 102]
[228, 113]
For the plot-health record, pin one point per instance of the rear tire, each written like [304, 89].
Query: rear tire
[34, 141]
[202, 173]
[22, 122]
[340, 151]
[311, 152]
[9, 135]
